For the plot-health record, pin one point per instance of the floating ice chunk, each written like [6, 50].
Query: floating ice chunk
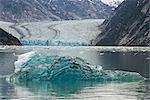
[40, 67]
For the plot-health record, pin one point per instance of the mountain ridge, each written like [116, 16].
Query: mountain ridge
[127, 27]
[52, 10]
[8, 39]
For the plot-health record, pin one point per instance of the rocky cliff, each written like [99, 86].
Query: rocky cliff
[8, 39]
[52, 10]
[128, 26]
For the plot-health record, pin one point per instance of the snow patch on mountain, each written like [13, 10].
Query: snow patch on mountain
[112, 3]
[52, 10]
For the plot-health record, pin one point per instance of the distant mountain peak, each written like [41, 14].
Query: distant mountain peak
[112, 3]
[52, 10]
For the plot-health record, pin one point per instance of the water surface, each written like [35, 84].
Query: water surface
[133, 61]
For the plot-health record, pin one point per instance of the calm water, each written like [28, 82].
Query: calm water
[79, 90]
[75, 91]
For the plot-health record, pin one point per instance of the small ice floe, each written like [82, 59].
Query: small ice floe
[2, 47]
[81, 52]
[101, 53]
[148, 58]
[124, 54]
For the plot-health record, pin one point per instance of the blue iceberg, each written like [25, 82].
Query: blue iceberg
[41, 67]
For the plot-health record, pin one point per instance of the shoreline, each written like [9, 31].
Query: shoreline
[91, 48]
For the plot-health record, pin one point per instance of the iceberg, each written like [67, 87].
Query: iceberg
[39, 67]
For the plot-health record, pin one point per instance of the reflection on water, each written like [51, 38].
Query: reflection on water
[129, 61]
[6, 90]
[75, 91]
[7, 63]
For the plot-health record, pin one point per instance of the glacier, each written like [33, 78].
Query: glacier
[55, 33]
[38, 67]
[28, 42]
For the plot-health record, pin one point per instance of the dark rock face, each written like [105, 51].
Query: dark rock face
[128, 26]
[37, 10]
[8, 39]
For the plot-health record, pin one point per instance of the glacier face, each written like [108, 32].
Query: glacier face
[52, 68]
[52, 43]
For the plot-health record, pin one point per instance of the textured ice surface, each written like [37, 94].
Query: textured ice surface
[68, 33]
[28, 42]
[42, 67]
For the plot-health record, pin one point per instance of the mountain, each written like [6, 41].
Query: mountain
[8, 39]
[128, 26]
[53, 10]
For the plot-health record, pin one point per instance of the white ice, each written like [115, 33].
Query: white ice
[72, 31]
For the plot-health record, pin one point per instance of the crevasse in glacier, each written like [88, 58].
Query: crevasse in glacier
[42, 67]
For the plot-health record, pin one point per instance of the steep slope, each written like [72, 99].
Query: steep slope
[37, 10]
[8, 39]
[128, 26]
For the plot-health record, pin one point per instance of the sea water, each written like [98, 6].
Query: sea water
[74, 74]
